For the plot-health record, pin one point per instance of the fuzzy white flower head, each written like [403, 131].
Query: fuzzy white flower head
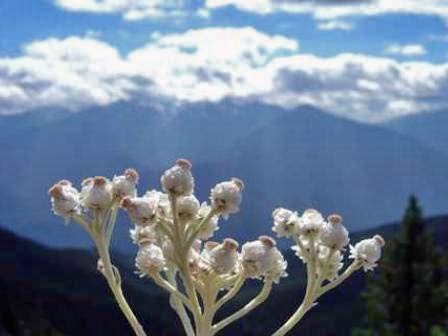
[330, 267]
[64, 199]
[310, 223]
[178, 180]
[150, 259]
[284, 222]
[187, 208]
[209, 227]
[223, 258]
[368, 252]
[334, 235]
[226, 197]
[141, 235]
[96, 193]
[141, 210]
[163, 203]
[125, 185]
[261, 258]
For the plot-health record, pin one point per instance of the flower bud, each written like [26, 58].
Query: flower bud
[125, 185]
[178, 180]
[150, 259]
[64, 199]
[284, 222]
[368, 252]
[141, 210]
[223, 258]
[143, 234]
[96, 193]
[334, 235]
[262, 258]
[310, 224]
[226, 197]
[187, 208]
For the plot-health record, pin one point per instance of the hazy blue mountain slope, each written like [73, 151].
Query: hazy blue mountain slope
[429, 128]
[300, 158]
[309, 159]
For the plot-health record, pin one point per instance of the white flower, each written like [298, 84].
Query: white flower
[262, 258]
[163, 203]
[141, 210]
[143, 234]
[223, 258]
[368, 252]
[310, 224]
[125, 185]
[226, 197]
[334, 235]
[207, 230]
[306, 244]
[187, 208]
[329, 267]
[96, 193]
[64, 199]
[178, 180]
[150, 259]
[284, 222]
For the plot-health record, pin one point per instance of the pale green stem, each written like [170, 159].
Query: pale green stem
[179, 306]
[161, 282]
[307, 302]
[354, 266]
[231, 293]
[115, 287]
[184, 267]
[259, 299]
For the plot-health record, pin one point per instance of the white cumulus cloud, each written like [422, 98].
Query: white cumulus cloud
[333, 9]
[405, 49]
[130, 10]
[335, 25]
[211, 64]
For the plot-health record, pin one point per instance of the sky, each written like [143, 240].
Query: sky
[366, 60]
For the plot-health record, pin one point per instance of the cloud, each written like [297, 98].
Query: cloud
[406, 49]
[334, 9]
[130, 10]
[211, 64]
[72, 73]
[335, 25]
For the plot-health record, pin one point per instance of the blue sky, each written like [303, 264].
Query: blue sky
[289, 52]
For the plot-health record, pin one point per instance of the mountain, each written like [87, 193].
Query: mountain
[297, 158]
[49, 291]
[428, 128]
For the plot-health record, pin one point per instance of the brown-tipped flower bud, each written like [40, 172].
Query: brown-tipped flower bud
[178, 180]
[64, 199]
[96, 193]
[333, 234]
[335, 219]
[267, 241]
[368, 252]
[126, 184]
[230, 244]
[226, 197]
[261, 258]
[223, 258]
[380, 240]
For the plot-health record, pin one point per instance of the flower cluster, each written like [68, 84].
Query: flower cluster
[172, 230]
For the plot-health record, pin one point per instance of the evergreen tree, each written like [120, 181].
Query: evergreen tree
[409, 294]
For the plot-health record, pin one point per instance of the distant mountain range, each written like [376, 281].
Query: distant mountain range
[48, 291]
[429, 128]
[297, 158]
